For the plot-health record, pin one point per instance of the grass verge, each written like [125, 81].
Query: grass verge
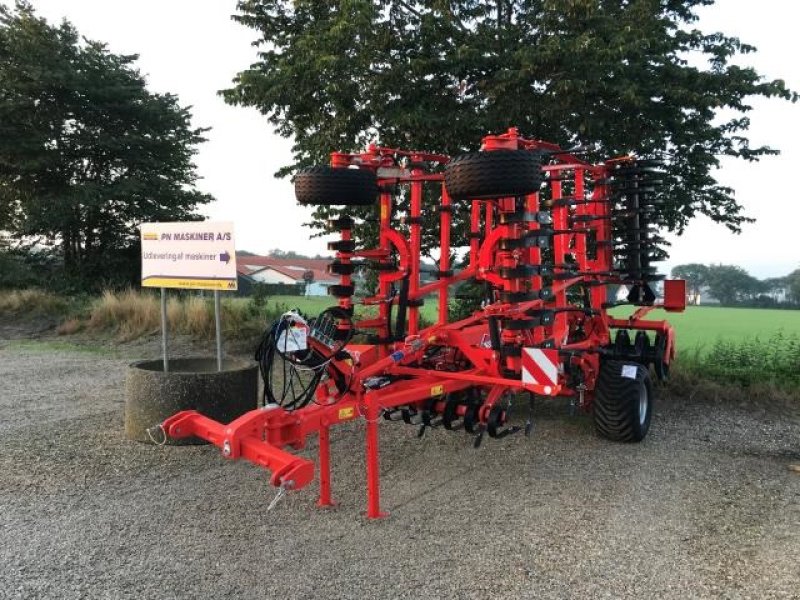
[771, 363]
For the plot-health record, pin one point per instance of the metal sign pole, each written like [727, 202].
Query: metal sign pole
[164, 330]
[218, 326]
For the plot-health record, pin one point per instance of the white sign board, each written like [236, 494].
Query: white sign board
[197, 255]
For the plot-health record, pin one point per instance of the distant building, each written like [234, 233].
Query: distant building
[777, 289]
[704, 296]
[291, 271]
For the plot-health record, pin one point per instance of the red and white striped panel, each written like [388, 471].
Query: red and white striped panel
[540, 366]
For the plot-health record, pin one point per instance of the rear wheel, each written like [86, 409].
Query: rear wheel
[623, 402]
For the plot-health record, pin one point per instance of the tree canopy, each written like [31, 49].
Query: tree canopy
[696, 277]
[619, 75]
[731, 284]
[793, 282]
[86, 151]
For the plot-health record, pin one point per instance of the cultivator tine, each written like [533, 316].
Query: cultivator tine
[478, 437]
[495, 423]
[410, 416]
[394, 415]
[450, 419]
[471, 419]
[430, 420]
[529, 422]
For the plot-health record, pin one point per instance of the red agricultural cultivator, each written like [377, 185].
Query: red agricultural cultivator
[549, 235]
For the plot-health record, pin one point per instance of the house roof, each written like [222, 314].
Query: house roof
[247, 269]
[294, 268]
[303, 263]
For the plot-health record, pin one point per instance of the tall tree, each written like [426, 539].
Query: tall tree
[731, 284]
[438, 75]
[793, 282]
[696, 277]
[86, 151]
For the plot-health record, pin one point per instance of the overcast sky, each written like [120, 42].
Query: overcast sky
[193, 49]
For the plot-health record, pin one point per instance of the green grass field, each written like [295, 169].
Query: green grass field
[700, 326]
[696, 329]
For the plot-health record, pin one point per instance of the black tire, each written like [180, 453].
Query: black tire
[494, 174]
[324, 186]
[660, 366]
[341, 291]
[623, 401]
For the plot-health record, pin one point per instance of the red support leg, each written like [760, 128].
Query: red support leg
[373, 470]
[325, 468]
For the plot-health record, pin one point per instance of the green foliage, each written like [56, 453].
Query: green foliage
[439, 75]
[752, 361]
[86, 151]
[793, 281]
[260, 295]
[731, 284]
[23, 269]
[467, 299]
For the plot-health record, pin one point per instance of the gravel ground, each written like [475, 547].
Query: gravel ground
[704, 508]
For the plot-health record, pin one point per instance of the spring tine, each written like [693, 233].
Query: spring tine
[478, 439]
[529, 422]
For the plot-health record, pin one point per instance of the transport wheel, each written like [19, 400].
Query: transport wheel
[494, 174]
[623, 402]
[328, 185]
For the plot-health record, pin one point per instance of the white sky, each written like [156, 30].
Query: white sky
[193, 49]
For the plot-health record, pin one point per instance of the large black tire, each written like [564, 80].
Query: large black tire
[623, 401]
[494, 174]
[328, 185]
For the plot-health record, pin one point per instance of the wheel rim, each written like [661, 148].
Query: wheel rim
[643, 404]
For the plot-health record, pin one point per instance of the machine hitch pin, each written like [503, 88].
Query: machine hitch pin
[286, 485]
[573, 405]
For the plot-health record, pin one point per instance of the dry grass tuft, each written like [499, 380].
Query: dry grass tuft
[132, 314]
[128, 314]
[198, 317]
[70, 327]
[31, 302]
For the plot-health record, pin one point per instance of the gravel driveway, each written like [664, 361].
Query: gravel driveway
[704, 508]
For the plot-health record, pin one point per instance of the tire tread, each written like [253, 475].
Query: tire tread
[616, 402]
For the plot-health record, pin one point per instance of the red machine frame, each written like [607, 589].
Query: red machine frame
[262, 436]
